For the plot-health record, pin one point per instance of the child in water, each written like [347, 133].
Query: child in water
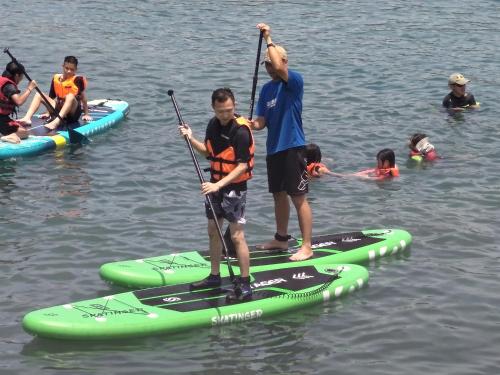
[386, 167]
[421, 149]
[314, 166]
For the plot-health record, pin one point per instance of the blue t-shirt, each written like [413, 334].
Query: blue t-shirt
[280, 103]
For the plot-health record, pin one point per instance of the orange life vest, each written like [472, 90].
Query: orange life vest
[63, 88]
[7, 106]
[225, 161]
[387, 172]
[312, 169]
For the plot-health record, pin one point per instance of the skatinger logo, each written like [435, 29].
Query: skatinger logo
[236, 317]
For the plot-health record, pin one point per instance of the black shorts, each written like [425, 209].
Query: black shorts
[8, 126]
[286, 171]
[228, 204]
[72, 117]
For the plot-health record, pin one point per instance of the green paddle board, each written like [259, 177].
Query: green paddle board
[174, 308]
[184, 267]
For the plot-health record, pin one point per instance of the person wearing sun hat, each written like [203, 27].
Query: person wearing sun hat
[279, 109]
[458, 99]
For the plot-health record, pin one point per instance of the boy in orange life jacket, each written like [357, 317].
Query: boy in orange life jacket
[230, 148]
[10, 99]
[67, 95]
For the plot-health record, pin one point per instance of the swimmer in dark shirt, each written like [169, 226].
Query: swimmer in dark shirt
[458, 100]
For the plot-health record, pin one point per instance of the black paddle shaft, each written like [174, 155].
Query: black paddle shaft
[255, 75]
[202, 180]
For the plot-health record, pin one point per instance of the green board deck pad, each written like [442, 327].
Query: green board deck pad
[189, 266]
[175, 308]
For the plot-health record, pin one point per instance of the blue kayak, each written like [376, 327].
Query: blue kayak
[105, 113]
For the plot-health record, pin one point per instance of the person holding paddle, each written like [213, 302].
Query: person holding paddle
[67, 95]
[229, 146]
[10, 99]
[279, 108]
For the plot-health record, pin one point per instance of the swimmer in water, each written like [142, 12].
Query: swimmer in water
[315, 168]
[386, 167]
[458, 100]
[421, 149]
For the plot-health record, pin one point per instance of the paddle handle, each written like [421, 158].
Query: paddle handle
[202, 180]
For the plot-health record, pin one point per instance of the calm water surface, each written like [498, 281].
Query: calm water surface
[375, 72]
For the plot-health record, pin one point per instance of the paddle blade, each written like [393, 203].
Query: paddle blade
[77, 138]
[231, 249]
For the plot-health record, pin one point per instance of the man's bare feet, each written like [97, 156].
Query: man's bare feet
[303, 254]
[273, 245]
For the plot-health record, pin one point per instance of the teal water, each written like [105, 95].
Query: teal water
[374, 72]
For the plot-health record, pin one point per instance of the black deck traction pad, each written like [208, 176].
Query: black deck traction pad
[332, 242]
[95, 111]
[338, 242]
[179, 298]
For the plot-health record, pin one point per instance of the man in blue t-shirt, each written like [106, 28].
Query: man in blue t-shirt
[280, 110]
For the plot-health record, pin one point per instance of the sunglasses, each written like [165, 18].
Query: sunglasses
[456, 84]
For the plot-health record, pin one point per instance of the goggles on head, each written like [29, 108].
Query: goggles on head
[423, 146]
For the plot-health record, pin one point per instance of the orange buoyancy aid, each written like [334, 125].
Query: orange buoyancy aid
[225, 161]
[7, 106]
[387, 172]
[68, 86]
[312, 169]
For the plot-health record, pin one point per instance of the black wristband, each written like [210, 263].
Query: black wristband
[271, 45]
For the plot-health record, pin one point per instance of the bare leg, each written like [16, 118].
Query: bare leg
[282, 214]
[238, 237]
[304, 214]
[69, 106]
[35, 104]
[16, 137]
[215, 246]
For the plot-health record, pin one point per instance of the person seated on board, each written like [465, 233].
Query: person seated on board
[459, 100]
[230, 148]
[421, 149]
[10, 99]
[67, 95]
[386, 167]
[315, 168]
